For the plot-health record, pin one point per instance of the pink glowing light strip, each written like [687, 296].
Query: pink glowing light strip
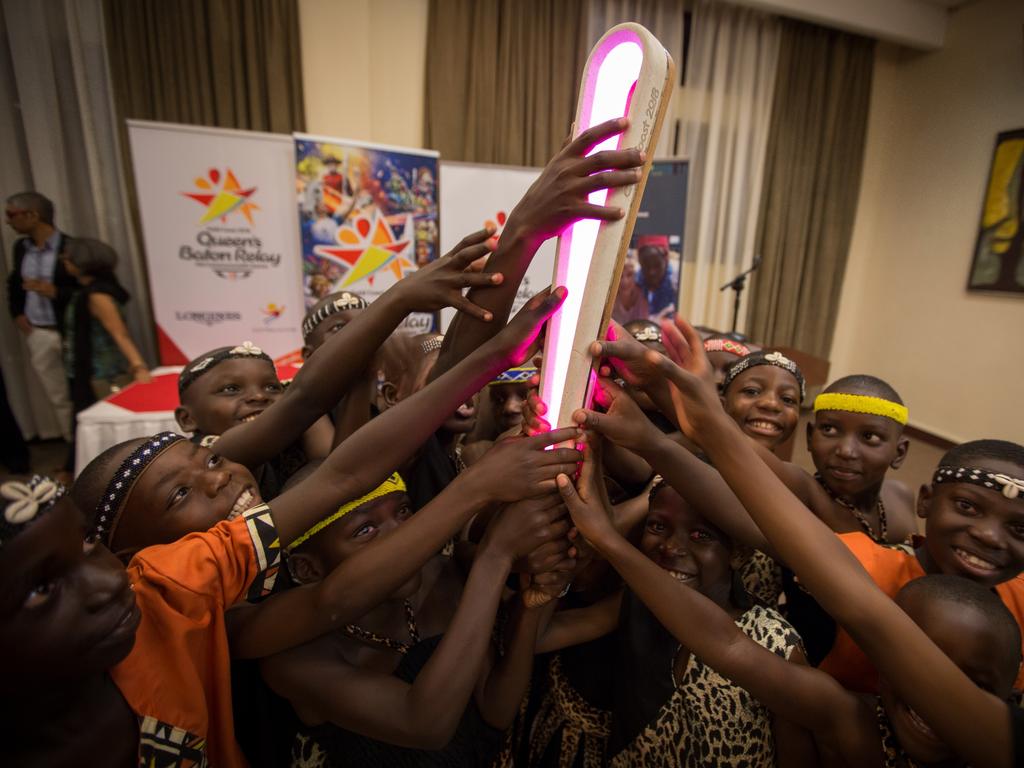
[607, 91]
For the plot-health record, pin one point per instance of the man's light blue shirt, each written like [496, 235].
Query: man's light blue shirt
[40, 263]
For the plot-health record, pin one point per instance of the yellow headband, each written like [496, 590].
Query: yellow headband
[394, 484]
[876, 406]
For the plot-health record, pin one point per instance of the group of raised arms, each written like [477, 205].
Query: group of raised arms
[394, 560]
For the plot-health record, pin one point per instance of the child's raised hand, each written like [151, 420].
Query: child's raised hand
[559, 197]
[629, 359]
[517, 341]
[555, 556]
[527, 524]
[624, 423]
[686, 348]
[534, 410]
[520, 467]
[440, 283]
[588, 501]
[686, 367]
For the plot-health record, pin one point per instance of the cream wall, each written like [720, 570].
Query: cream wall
[363, 67]
[905, 315]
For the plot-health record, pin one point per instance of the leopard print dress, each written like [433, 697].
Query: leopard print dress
[708, 721]
[762, 578]
[893, 755]
[581, 725]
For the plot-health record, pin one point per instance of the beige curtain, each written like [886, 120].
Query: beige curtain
[502, 77]
[725, 112]
[510, 94]
[666, 20]
[60, 137]
[226, 63]
[812, 177]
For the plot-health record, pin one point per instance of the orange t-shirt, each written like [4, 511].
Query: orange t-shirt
[892, 567]
[177, 677]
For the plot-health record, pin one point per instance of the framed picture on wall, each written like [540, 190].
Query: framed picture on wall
[998, 263]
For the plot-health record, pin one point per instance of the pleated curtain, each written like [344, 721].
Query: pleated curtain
[502, 77]
[666, 20]
[226, 63]
[72, 70]
[60, 138]
[812, 179]
[724, 111]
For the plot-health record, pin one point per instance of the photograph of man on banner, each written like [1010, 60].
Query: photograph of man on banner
[649, 286]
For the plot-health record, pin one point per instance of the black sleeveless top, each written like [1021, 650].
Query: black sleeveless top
[475, 743]
[642, 677]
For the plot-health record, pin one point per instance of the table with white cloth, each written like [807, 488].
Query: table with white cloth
[138, 410]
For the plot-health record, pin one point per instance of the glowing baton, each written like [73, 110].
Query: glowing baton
[628, 74]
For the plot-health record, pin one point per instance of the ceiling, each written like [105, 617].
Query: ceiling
[917, 24]
[949, 4]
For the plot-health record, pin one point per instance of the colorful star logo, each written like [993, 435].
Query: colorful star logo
[223, 196]
[498, 225]
[366, 246]
[271, 312]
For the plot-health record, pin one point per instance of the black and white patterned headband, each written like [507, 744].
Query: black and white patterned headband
[23, 503]
[1010, 487]
[343, 302]
[211, 360]
[777, 359]
[108, 513]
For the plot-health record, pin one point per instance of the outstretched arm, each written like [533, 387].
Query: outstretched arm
[371, 454]
[557, 199]
[502, 687]
[103, 308]
[500, 693]
[579, 625]
[328, 375]
[630, 360]
[426, 713]
[625, 425]
[799, 483]
[353, 410]
[512, 470]
[803, 695]
[978, 726]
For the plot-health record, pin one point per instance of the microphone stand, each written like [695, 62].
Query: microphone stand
[738, 283]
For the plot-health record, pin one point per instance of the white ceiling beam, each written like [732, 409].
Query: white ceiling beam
[914, 23]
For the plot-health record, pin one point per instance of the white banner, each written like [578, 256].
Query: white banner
[222, 248]
[473, 195]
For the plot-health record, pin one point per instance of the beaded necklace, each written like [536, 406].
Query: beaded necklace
[457, 460]
[398, 646]
[861, 517]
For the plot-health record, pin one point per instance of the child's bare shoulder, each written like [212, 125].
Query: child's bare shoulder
[899, 498]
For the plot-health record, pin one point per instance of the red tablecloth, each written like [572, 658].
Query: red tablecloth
[161, 394]
[137, 410]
